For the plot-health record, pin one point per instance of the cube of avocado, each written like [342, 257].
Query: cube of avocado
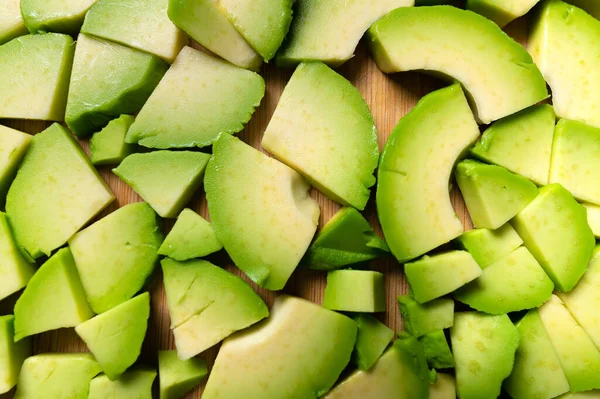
[11, 21]
[443, 388]
[178, 376]
[503, 12]
[593, 218]
[132, 384]
[423, 319]
[108, 146]
[12, 354]
[436, 349]
[488, 246]
[372, 339]
[54, 16]
[13, 145]
[355, 291]
[15, 270]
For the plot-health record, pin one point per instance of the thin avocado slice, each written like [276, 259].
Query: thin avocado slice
[54, 16]
[501, 12]
[355, 291]
[372, 339]
[132, 384]
[178, 376]
[11, 21]
[593, 218]
[488, 246]
[108, 146]
[443, 388]
[16, 271]
[13, 145]
[420, 319]
[12, 354]
[437, 351]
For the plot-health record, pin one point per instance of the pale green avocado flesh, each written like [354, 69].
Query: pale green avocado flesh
[501, 12]
[355, 291]
[420, 319]
[13, 145]
[443, 388]
[132, 384]
[12, 354]
[108, 146]
[437, 351]
[65, 16]
[593, 218]
[15, 270]
[178, 376]
[11, 21]
[488, 246]
[372, 338]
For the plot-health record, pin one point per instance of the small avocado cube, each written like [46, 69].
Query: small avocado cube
[15, 270]
[12, 354]
[132, 384]
[192, 236]
[443, 388]
[64, 16]
[501, 12]
[372, 339]
[11, 21]
[13, 145]
[436, 349]
[488, 246]
[108, 146]
[355, 291]
[178, 376]
[431, 277]
[421, 319]
[593, 218]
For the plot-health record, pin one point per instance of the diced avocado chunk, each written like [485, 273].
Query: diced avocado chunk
[554, 228]
[108, 80]
[34, 76]
[298, 352]
[330, 31]
[372, 339]
[12, 354]
[423, 319]
[501, 12]
[484, 351]
[207, 304]
[239, 182]
[167, 180]
[64, 16]
[593, 218]
[322, 127]
[13, 145]
[592, 7]
[57, 375]
[178, 376]
[496, 71]
[115, 337]
[355, 291]
[488, 246]
[132, 384]
[11, 21]
[522, 143]
[431, 277]
[192, 236]
[413, 200]
[108, 146]
[443, 388]
[15, 270]
[436, 349]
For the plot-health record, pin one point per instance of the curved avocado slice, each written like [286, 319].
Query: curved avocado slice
[501, 12]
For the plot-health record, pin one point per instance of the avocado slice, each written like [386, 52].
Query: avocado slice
[207, 304]
[11, 21]
[197, 84]
[413, 200]
[346, 239]
[298, 352]
[420, 319]
[108, 146]
[372, 339]
[115, 337]
[192, 236]
[34, 77]
[132, 384]
[593, 218]
[12, 354]
[54, 16]
[57, 375]
[492, 194]
[501, 12]
[330, 31]
[513, 283]
[239, 181]
[437, 351]
[522, 143]
[15, 270]
[355, 291]
[488, 246]
[178, 376]
[554, 228]
[167, 180]
[443, 388]
[431, 277]
[13, 145]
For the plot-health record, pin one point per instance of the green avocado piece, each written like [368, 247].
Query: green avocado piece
[330, 31]
[593, 218]
[13, 145]
[167, 180]
[431, 277]
[522, 143]
[492, 194]
[108, 146]
[298, 352]
[192, 236]
[436, 349]
[501, 12]
[594, 394]
[15, 270]
[355, 291]
[207, 304]
[65, 16]
[132, 384]
[11, 21]
[488, 246]
[592, 7]
[178, 376]
[484, 351]
[115, 337]
[197, 84]
[372, 339]
[57, 375]
[537, 372]
[413, 201]
[12, 354]
[443, 388]
[346, 239]
[239, 182]
[554, 228]
[34, 77]
[421, 319]
[108, 80]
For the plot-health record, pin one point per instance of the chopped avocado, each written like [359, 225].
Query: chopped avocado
[497, 72]
[167, 180]
[178, 376]
[34, 76]
[372, 339]
[594, 394]
[329, 31]
[108, 146]
[563, 45]
[15, 270]
[537, 372]
[11, 21]
[413, 199]
[54, 298]
[115, 337]
[57, 375]
[141, 24]
[515, 282]
[436, 349]
[12, 354]
[484, 351]
[431, 277]
[108, 80]
[322, 127]
[423, 319]
[501, 12]
[13, 145]
[492, 194]
[192, 236]
[522, 143]
[298, 352]
[355, 291]
[207, 304]
[132, 384]
[443, 388]
[593, 218]
[579, 358]
[206, 22]
[65, 16]
[592, 7]
[239, 182]
[346, 239]
[488, 246]
[554, 228]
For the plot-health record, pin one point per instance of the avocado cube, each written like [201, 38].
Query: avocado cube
[503, 12]
[488, 246]
[355, 291]
[54, 16]
[12, 354]
[132, 384]
[178, 376]
[11, 21]
[13, 145]
[420, 319]
[372, 339]
[108, 146]
[15, 270]
[436, 349]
